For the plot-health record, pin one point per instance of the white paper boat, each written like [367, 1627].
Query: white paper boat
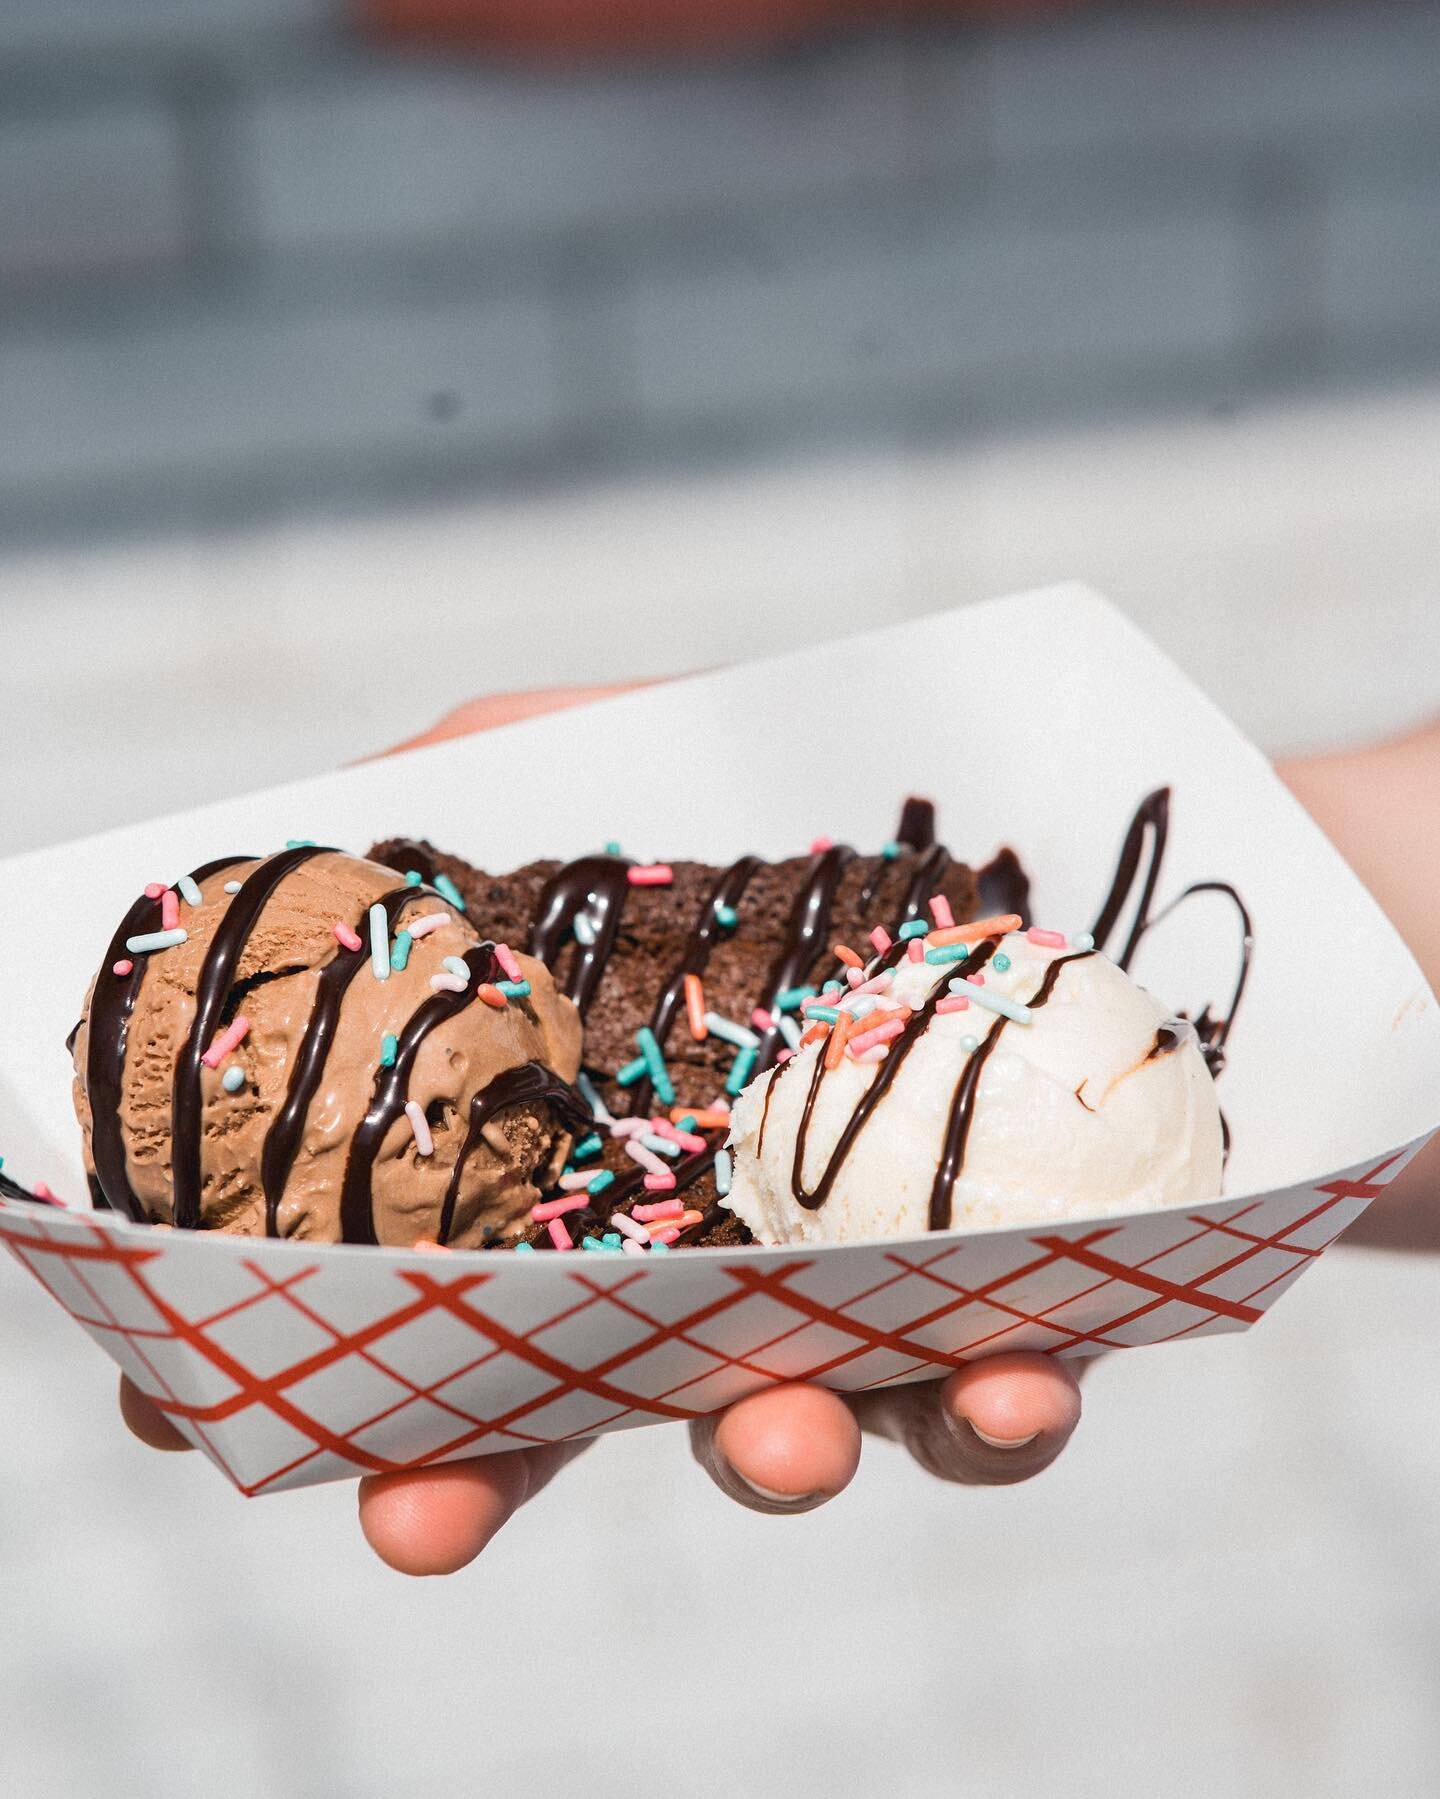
[1038, 721]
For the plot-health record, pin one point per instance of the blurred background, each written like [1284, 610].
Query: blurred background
[355, 361]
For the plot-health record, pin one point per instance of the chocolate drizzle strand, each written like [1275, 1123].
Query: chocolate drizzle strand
[1151, 823]
[532, 1083]
[598, 886]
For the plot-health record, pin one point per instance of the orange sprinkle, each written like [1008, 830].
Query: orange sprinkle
[846, 955]
[686, 1219]
[492, 995]
[704, 1121]
[972, 933]
[835, 1048]
[814, 1034]
[695, 1009]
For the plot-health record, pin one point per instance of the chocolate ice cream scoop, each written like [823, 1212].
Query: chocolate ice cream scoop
[307, 1045]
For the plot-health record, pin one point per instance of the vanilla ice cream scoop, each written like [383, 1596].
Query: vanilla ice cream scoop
[1025, 1085]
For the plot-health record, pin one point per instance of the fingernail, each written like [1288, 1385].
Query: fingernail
[1002, 1442]
[791, 1501]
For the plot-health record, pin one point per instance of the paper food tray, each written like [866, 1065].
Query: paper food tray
[1039, 721]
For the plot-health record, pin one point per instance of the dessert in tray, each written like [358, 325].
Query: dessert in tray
[623, 1057]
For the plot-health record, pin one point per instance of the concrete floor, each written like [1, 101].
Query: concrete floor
[1230, 1584]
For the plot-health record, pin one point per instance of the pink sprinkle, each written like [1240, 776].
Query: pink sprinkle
[657, 874]
[762, 1020]
[574, 1183]
[666, 1236]
[821, 844]
[855, 976]
[559, 1236]
[345, 936]
[783, 1055]
[154, 890]
[628, 1227]
[662, 1127]
[940, 911]
[882, 1033]
[917, 949]
[41, 1191]
[818, 999]
[1046, 939]
[555, 1208]
[663, 1208]
[647, 1159]
[632, 1248]
[881, 938]
[719, 1104]
[422, 927]
[660, 1183]
[419, 1124]
[628, 1127]
[877, 982]
[953, 1002]
[878, 1054]
[688, 1141]
[123, 966]
[505, 956]
[976, 980]
[229, 1039]
[169, 909]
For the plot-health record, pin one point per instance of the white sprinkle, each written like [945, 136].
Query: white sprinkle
[430, 921]
[232, 886]
[233, 1079]
[424, 1142]
[650, 1162]
[583, 926]
[150, 940]
[590, 1094]
[379, 944]
[723, 1171]
[445, 982]
[459, 969]
[729, 1032]
[991, 1001]
[189, 892]
[789, 1030]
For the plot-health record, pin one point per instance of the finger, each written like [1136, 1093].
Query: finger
[788, 1449]
[989, 1424]
[494, 709]
[436, 1520]
[145, 1419]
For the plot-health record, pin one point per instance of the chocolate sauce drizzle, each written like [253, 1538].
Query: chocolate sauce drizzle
[598, 886]
[531, 1083]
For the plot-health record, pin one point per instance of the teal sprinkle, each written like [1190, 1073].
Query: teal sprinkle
[632, 1072]
[827, 1014]
[1084, 941]
[1001, 964]
[299, 843]
[891, 851]
[726, 917]
[611, 1239]
[400, 954]
[833, 987]
[189, 892]
[662, 1146]
[969, 1044]
[389, 1047]
[792, 998]
[604, 1179]
[513, 989]
[447, 890]
[655, 1065]
[233, 1079]
[524, 1249]
[612, 848]
[603, 1249]
[412, 877]
[659, 1249]
[740, 1071]
[453, 965]
[948, 952]
[588, 1243]
[687, 1123]
[917, 927]
[582, 1151]
[724, 1168]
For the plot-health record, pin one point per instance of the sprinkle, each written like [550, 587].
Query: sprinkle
[662, 1146]
[505, 956]
[122, 967]
[628, 1227]
[724, 1168]
[686, 1219]
[514, 989]
[632, 1072]
[686, 1121]
[424, 1142]
[232, 886]
[950, 952]
[154, 889]
[490, 993]
[574, 1182]
[389, 1048]
[855, 977]
[1084, 941]
[627, 1127]
[977, 979]
[345, 936]
[656, 874]
[1046, 939]
[662, 1208]
[695, 1007]
[612, 848]
[881, 938]
[859, 1008]
[940, 911]
[233, 1078]
[584, 928]
[952, 1003]
[740, 1071]
[663, 1240]
[189, 892]
[827, 1014]
[655, 1064]
[687, 1140]
[645, 1157]
[1001, 964]
[379, 944]
[299, 843]
[445, 982]
[659, 1183]
[890, 851]
[877, 1054]
[877, 982]
[835, 1047]
[915, 949]
[998, 926]
[597, 1248]
[590, 1093]
[790, 1031]
[712, 1120]
[915, 927]
[726, 917]
[815, 1032]
[230, 1038]
[969, 1045]
[427, 1246]
[633, 1248]
[729, 1032]
[843, 953]
[412, 877]
[556, 1208]
[821, 844]
[604, 1179]
[611, 1239]
[763, 1020]
[782, 1056]
[447, 890]
[456, 967]
[585, 1148]
[992, 1001]
[832, 987]
[41, 1191]
[559, 1236]
[423, 926]
[524, 1249]
[792, 998]
[169, 910]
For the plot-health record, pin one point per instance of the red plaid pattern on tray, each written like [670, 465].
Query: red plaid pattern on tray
[290, 1365]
